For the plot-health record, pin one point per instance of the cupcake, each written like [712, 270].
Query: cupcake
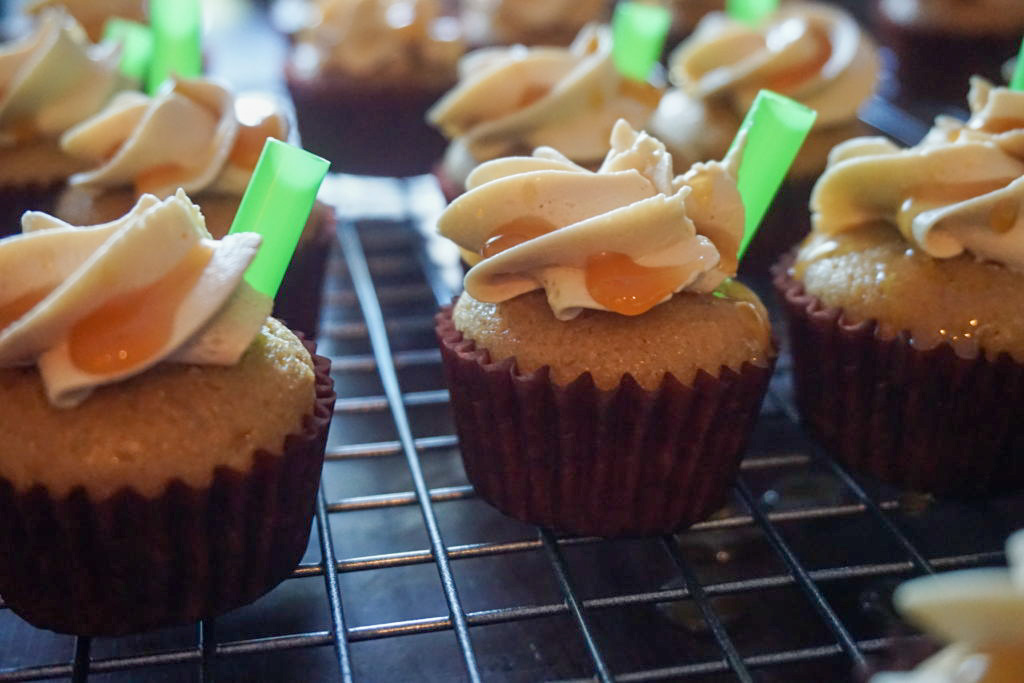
[904, 303]
[163, 437]
[814, 54]
[187, 136]
[362, 76]
[511, 100]
[529, 22]
[51, 80]
[979, 612]
[604, 370]
[939, 44]
[686, 14]
[92, 15]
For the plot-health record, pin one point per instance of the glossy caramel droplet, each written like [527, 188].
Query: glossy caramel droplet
[789, 79]
[250, 140]
[620, 284]
[515, 232]
[531, 94]
[641, 91]
[1004, 214]
[130, 329]
[152, 179]
[12, 310]
[1000, 665]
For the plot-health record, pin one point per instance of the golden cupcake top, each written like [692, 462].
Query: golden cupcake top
[95, 305]
[381, 42]
[188, 135]
[53, 78]
[624, 238]
[979, 613]
[959, 190]
[510, 100]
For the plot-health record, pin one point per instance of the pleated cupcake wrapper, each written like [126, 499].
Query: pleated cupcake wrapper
[370, 132]
[620, 462]
[17, 199]
[131, 563]
[922, 420]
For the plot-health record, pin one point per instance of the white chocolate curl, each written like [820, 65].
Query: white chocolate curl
[632, 205]
[79, 270]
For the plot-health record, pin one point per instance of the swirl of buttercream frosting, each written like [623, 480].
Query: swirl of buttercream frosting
[980, 612]
[187, 136]
[512, 100]
[404, 41]
[513, 21]
[92, 14]
[546, 222]
[98, 304]
[52, 79]
[961, 189]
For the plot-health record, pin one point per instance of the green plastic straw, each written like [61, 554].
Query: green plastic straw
[276, 204]
[1017, 82]
[136, 46]
[176, 41]
[638, 34]
[750, 11]
[775, 127]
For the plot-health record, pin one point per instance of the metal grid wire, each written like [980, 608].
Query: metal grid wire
[791, 501]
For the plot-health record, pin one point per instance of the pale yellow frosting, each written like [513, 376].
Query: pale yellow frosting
[182, 137]
[633, 205]
[960, 190]
[511, 100]
[980, 612]
[52, 79]
[517, 21]
[812, 53]
[61, 286]
[382, 41]
[978, 17]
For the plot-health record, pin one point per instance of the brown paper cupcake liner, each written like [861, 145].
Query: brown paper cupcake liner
[16, 200]
[131, 563]
[922, 420]
[363, 130]
[620, 462]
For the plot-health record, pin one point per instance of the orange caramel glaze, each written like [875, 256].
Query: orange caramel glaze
[514, 233]
[130, 329]
[790, 78]
[12, 310]
[620, 284]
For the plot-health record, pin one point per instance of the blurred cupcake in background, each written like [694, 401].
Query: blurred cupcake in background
[363, 73]
[814, 54]
[50, 80]
[686, 14]
[939, 44]
[92, 15]
[529, 22]
[511, 100]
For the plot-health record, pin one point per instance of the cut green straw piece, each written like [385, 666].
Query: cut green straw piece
[136, 46]
[638, 34]
[276, 204]
[775, 128]
[1017, 82]
[750, 11]
[176, 41]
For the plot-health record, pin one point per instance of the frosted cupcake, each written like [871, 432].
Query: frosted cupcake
[163, 437]
[363, 74]
[905, 300]
[604, 371]
[93, 15]
[511, 100]
[529, 22]
[814, 54]
[187, 136]
[49, 81]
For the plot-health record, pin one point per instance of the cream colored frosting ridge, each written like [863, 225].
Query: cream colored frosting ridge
[512, 100]
[382, 40]
[186, 136]
[92, 14]
[52, 79]
[961, 189]
[633, 205]
[812, 53]
[980, 612]
[63, 287]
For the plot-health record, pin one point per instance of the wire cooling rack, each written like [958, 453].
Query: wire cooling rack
[409, 577]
